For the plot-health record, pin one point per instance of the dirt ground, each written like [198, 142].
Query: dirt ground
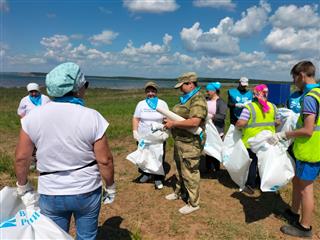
[141, 212]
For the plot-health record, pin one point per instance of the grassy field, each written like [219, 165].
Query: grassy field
[140, 211]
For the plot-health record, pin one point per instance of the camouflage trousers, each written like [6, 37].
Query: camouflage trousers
[187, 159]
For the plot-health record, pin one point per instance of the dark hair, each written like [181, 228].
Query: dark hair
[306, 67]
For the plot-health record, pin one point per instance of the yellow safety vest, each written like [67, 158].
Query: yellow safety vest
[307, 149]
[258, 121]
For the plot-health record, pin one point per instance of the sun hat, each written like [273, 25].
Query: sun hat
[33, 87]
[151, 84]
[185, 78]
[64, 78]
[213, 86]
[244, 81]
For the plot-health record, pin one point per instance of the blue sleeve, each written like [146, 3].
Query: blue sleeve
[310, 105]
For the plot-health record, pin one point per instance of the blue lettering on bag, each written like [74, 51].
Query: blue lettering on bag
[12, 222]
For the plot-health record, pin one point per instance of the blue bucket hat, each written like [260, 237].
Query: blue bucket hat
[64, 78]
[213, 86]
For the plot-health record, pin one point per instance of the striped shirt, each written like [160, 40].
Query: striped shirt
[245, 115]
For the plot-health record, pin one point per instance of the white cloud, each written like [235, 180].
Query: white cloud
[151, 6]
[290, 40]
[148, 48]
[217, 41]
[56, 41]
[252, 21]
[3, 49]
[167, 39]
[164, 60]
[4, 6]
[293, 16]
[105, 37]
[228, 4]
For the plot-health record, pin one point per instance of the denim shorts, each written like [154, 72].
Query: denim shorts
[84, 207]
[307, 171]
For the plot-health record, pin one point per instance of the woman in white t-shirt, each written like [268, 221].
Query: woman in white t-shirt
[33, 100]
[73, 155]
[144, 116]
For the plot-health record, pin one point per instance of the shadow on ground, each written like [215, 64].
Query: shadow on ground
[111, 230]
[259, 207]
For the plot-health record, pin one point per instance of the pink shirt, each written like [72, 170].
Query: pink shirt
[212, 106]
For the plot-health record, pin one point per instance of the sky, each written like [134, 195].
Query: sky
[161, 38]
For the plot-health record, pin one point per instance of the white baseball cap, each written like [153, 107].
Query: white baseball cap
[33, 87]
[244, 81]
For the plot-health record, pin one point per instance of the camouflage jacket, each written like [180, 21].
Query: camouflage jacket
[196, 106]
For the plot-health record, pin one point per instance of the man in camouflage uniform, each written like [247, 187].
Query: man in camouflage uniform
[188, 146]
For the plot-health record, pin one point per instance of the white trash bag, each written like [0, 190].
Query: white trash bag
[213, 145]
[235, 157]
[276, 167]
[288, 123]
[148, 156]
[19, 222]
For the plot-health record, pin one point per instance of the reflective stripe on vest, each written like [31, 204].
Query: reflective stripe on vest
[307, 149]
[258, 121]
[254, 118]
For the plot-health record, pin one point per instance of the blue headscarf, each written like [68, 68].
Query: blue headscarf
[37, 100]
[69, 99]
[152, 102]
[187, 96]
[213, 86]
[310, 86]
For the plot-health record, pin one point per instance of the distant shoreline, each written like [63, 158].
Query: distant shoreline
[107, 78]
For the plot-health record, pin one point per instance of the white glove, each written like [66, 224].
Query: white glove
[239, 105]
[136, 135]
[277, 137]
[28, 196]
[156, 126]
[109, 193]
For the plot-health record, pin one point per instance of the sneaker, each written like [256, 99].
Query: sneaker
[158, 184]
[247, 189]
[172, 196]
[188, 209]
[297, 230]
[144, 178]
[290, 216]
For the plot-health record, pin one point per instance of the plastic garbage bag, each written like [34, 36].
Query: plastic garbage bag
[148, 156]
[19, 222]
[235, 157]
[276, 167]
[213, 145]
[173, 116]
[288, 123]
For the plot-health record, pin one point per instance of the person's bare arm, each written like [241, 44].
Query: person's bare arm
[23, 157]
[306, 130]
[105, 160]
[188, 123]
[241, 123]
[135, 123]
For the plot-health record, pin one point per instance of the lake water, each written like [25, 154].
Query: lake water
[16, 80]
[9, 81]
